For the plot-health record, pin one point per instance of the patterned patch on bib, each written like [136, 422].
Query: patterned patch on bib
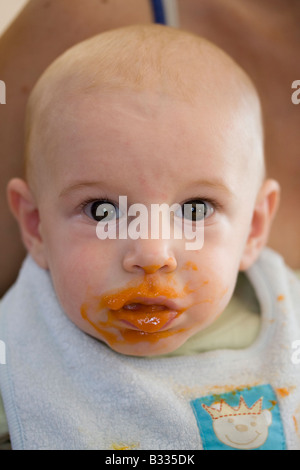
[242, 419]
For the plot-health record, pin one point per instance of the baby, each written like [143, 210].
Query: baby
[162, 117]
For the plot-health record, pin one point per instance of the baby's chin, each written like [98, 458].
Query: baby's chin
[146, 345]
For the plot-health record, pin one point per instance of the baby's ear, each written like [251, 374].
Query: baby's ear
[264, 211]
[24, 208]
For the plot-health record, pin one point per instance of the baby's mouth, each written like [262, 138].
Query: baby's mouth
[146, 317]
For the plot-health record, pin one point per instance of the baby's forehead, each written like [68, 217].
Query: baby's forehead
[152, 59]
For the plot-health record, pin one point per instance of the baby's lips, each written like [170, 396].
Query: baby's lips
[146, 318]
[160, 301]
[146, 314]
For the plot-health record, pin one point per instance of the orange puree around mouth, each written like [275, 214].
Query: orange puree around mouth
[148, 319]
[109, 313]
[126, 335]
[148, 288]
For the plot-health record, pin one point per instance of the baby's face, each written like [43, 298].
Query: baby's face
[144, 296]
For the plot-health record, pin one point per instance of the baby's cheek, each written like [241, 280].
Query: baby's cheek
[69, 285]
[208, 289]
[208, 302]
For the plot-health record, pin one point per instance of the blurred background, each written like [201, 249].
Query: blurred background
[8, 10]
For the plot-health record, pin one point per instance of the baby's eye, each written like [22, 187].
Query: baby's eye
[101, 210]
[196, 210]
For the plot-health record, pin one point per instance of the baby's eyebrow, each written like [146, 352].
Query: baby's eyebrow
[199, 184]
[214, 184]
[81, 185]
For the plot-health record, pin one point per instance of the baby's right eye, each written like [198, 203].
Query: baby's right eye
[101, 210]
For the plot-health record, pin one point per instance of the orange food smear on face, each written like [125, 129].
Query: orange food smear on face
[151, 269]
[127, 316]
[280, 298]
[190, 265]
[124, 335]
[149, 288]
[145, 321]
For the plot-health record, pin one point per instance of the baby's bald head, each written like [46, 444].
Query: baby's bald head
[157, 59]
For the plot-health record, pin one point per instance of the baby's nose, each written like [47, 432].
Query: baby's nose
[150, 256]
[241, 427]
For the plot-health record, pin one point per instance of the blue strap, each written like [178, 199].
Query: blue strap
[158, 11]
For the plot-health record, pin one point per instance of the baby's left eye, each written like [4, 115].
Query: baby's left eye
[195, 210]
